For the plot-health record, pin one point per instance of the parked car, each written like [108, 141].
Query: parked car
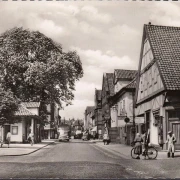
[85, 137]
[64, 132]
[78, 134]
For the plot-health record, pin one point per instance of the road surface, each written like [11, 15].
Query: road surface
[78, 159]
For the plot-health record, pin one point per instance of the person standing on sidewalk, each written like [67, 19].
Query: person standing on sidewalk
[171, 139]
[8, 138]
[31, 138]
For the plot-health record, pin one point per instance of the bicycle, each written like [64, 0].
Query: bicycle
[150, 151]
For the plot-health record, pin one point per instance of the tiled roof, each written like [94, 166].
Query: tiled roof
[31, 104]
[131, 85]
[23, 111]
[98, 94]
[125, 74]
[89, 109]
[110, 83]
[165, 43]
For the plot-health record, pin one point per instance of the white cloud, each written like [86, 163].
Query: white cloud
[88, 29]
[91, 13]
[77, 109]
[166, 13]
[103, 61]
[123, 30]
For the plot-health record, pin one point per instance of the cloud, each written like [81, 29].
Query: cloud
[85, 90]
[96, 58]
[77, 109]
[91, 13]
[123, 31]
[166, 13]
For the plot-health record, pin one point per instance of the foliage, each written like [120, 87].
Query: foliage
[8, 106]
[35, 68]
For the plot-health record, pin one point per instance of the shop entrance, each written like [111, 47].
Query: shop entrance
[6, 130]
[174, 125]
[176, 131]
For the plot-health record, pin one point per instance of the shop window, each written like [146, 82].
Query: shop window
[14, 130]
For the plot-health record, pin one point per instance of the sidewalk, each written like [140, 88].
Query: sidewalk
[23, 149]
[125, 151]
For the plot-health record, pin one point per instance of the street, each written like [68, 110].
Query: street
[79, 159]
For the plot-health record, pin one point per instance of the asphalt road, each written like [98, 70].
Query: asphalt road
[78, 159]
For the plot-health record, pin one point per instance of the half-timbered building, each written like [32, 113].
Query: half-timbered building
[122, 105]
[158, 85]
[107, 91]
[98, 113]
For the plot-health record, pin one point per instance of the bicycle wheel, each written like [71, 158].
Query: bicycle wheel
[152, 153]
[133, 155]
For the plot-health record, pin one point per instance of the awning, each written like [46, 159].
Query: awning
[94, 129]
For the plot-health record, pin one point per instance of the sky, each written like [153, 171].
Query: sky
[106, 34]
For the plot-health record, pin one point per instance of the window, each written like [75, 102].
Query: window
[14, 130]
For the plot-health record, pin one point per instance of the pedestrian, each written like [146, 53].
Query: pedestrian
[106, 138]
[31, 138]
[171, 140]
[8, 138]
[145, 138]
[138, 145]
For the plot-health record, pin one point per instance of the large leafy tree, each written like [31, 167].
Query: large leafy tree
[35, 68]
[8, 106]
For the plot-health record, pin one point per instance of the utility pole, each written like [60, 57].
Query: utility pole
[134, 124]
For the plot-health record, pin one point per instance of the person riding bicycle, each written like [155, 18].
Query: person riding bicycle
[138, 145]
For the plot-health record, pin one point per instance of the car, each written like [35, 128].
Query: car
[85, 137]
[64, 132]
[78, 134]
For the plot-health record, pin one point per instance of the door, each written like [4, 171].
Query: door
[6, 130]
[176, 131]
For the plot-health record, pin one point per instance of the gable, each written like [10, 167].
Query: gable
[150, 82]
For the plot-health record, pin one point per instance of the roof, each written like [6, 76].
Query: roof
[125, 74]
[98, 94]
[31, 104]
[131, 85]
[23, 111]
[165, 44]
[110, 83]
[89, 109]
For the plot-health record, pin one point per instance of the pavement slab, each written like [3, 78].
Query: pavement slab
[22, 149]
[125, 151]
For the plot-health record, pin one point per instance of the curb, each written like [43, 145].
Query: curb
[114, 152]
[29, 152]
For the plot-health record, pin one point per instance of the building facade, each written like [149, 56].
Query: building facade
[50, 128]
[107, 92]
[27, 120]
[98, 113]
[158, 85]
[89, 121]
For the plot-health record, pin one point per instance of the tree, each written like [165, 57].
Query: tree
[35, 68]
[8, 106]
